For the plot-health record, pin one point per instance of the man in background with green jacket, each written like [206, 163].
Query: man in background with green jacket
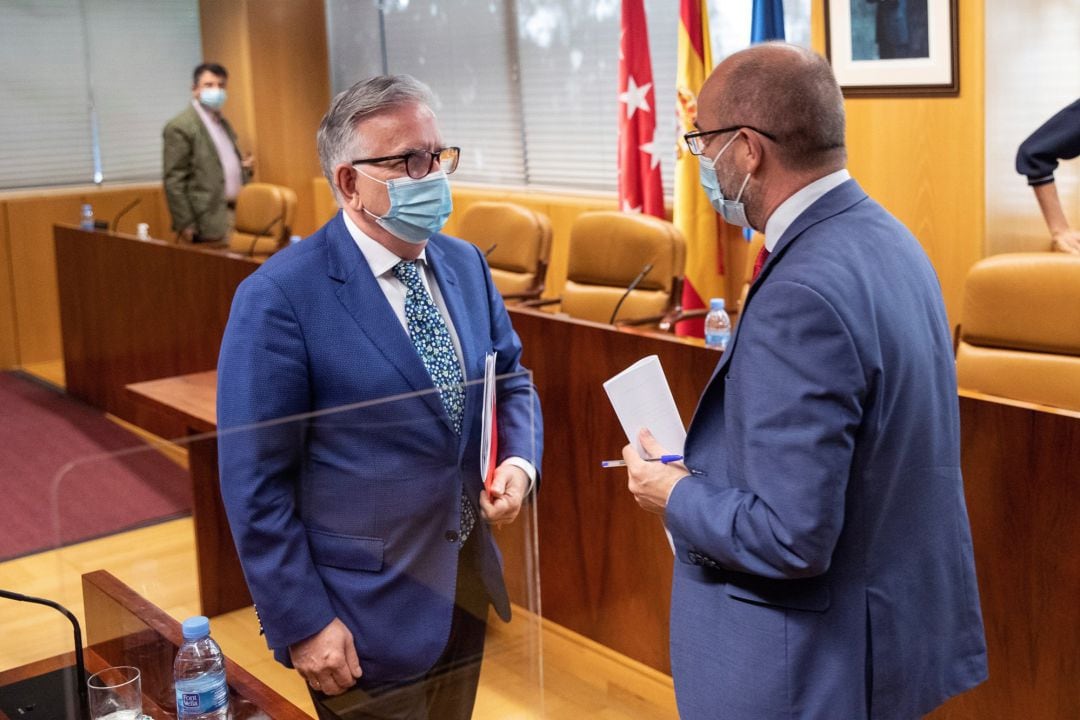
[203, 169]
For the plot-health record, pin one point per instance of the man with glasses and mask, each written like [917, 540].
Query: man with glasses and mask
[364, 534]
[824, 564]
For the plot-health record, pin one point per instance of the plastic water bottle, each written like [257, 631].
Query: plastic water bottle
[717, 325]
[86, 219]
[199, 674]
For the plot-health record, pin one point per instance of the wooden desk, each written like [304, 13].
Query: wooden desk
[1021, 467]
[605, 566]
[133, 310]
[190, 401]
[122, 628]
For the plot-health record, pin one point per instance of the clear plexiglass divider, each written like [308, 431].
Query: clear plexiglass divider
[355, 508]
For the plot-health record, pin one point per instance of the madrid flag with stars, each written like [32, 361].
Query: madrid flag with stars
[640, 189]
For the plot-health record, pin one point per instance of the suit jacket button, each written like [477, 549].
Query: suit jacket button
[451, 536]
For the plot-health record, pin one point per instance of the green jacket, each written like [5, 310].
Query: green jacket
[193, 179]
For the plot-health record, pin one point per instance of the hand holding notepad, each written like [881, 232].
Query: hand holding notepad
[642, 399]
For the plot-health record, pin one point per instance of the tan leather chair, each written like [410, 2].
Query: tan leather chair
[517, 242]
[1019, 335]
[264, 216]
[607, 251]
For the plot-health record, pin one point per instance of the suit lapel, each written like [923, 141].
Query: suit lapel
[364, 300]
[831, 203]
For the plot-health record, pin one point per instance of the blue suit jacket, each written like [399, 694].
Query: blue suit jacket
[353, 512]
[824, 561]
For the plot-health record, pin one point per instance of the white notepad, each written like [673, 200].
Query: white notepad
[642, 399]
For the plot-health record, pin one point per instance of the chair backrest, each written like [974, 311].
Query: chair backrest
[264, 216]
[608, 250]
[1019, 335]
[517, 241]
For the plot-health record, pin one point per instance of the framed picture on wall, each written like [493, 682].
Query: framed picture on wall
[888, 48]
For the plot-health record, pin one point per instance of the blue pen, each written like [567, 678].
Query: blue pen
[622, 463]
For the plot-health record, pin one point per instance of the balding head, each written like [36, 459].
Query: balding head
[787, 91]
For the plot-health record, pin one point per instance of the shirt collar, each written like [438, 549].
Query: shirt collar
[206, 115]
[379, 258]
[794, 206]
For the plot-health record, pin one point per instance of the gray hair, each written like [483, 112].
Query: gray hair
[337, 140]
[792, 95]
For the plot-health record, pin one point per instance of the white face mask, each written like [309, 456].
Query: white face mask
[733, 211]
[213, 98]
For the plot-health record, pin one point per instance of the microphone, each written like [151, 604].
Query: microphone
[633, 284]
[490, 249]
[122, 213]
[80, 666]
[265, 232]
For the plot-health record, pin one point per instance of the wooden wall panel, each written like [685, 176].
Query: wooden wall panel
[30, 219]
[226, 39]
[9, 339]
[279, 86]
[922, 158]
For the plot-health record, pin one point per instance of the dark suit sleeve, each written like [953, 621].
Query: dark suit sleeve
[1056, 139]
[792, 403]
[521, 427]
[263, 379]
[176, 174]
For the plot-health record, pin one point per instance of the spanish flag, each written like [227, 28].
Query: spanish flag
[692, 213]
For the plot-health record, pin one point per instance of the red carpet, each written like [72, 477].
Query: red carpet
[51, 444]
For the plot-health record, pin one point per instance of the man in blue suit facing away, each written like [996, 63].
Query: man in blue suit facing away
[824, 565]
[362, 525]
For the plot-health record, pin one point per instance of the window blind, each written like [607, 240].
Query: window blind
[44, 96]
[462, 51]
[91, 78]
[141, 58]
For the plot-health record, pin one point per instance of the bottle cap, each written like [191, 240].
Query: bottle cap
[196, 627]
[716, 304]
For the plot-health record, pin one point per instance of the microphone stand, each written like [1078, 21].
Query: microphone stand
[633, 284]
[80, 665]
[122, 213]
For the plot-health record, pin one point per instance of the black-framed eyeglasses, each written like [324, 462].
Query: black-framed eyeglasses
[419, 163]
[696, 140]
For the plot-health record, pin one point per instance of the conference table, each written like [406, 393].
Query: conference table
[123, 628]
[605, 566]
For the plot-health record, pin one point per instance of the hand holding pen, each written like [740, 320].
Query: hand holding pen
[665, 459]
[651, 479]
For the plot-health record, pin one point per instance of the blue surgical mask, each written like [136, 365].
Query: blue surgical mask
[213, 97]
[418, 208]
[733, 211]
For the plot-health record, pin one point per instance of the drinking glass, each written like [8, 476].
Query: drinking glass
[116, 694]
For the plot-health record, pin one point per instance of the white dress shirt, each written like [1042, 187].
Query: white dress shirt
[797, 204]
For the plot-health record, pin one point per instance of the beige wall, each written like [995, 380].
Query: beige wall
[922, 158]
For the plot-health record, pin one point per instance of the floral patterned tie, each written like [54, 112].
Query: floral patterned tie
[431, 337]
